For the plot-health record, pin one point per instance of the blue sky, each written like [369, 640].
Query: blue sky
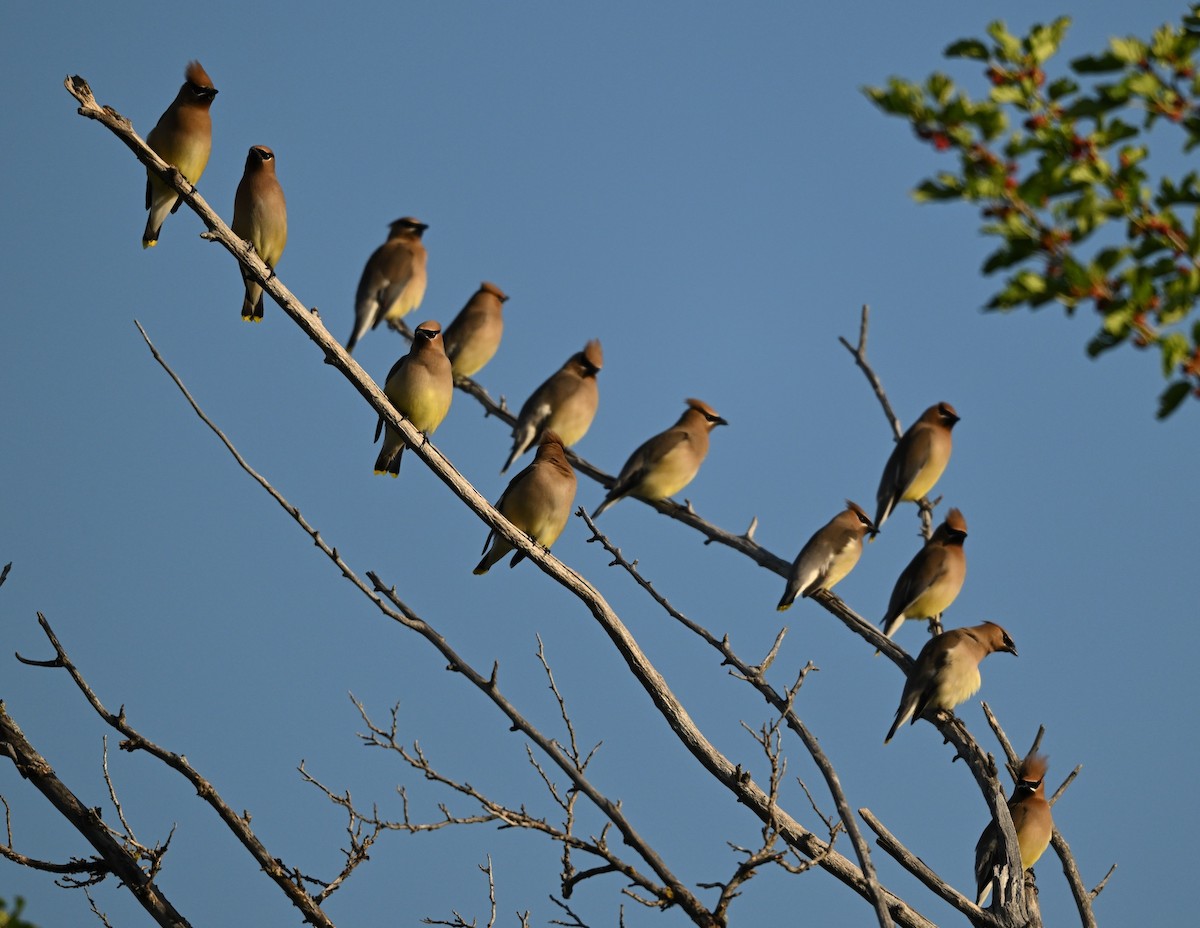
[704, 188]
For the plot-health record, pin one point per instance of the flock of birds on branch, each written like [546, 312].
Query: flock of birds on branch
[538, 500]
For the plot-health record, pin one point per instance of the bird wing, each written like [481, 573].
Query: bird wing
[920, 447]
[390, 374]
[645, 457]
[936, 664]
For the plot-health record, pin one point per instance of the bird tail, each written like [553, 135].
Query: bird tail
[362, 325]
[388, 461]
[516, 452]
[499, 548]
[252, 304]
[159, 208]
[901, 717]
[608, 501]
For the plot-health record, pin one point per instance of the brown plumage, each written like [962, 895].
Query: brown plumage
[182, 137]
[933, 578]
[259, 217]
[393, 282]
[829, 555]
[917, 461]
[537, 501]
[474, 335]
[1031, 817]
[946, 672]
[420, 386]
[666, 463]
[566, 403]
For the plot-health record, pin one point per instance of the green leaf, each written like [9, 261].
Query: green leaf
[1007, 93]
[967, 48]
[939, 87]
[1102, 342]
[1007, 44]
[1060, 88]
[1008, 255]
[1170, 398]
[1031, 281]
[947, 187]
[1128, 50]
[1175, 351]
[1044, 40]
[1146, 84]
[1097, 64]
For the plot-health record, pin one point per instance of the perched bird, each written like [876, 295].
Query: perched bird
[259, 217]
[666, 463]
[1031, 817]
[946, 672]
[420, 386]
[933, 578]
[537, 501]
[829, 555]
[917, 461]
[182, 137]
[474, 335]
[393, 282]
[566, 403]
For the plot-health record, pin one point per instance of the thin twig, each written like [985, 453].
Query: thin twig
[869, 885]
[239, 825]
[120, 861]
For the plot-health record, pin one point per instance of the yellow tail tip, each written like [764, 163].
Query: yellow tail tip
[479, 571]
[149, 244]
[783, 607]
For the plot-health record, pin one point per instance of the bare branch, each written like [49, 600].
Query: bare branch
[95, 867]
[1083, 899]
[860, 358]
[119, 860]
[868, 883]
[96, 911]
[239, 825]
[918, 868]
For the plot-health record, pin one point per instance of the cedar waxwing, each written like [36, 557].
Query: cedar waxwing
[565, 403]
[917, 461]
[182, 137]
[1031, 817]
[666, 463]
[537, 501]
[393, 282]
[829, 555]
[420, 386]
[259, 217]
[946, 672]
[933, 578]
[474, 335]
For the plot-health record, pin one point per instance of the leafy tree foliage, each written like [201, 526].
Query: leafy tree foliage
[13, 919]
[1060, 172]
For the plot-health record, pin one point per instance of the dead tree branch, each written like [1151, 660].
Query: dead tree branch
[135, 741]
[119, 859]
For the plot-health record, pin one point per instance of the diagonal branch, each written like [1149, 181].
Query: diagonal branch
[118, 859]
[784, 705]
[135, 741]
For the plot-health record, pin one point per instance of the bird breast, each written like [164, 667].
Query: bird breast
[958, 681]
